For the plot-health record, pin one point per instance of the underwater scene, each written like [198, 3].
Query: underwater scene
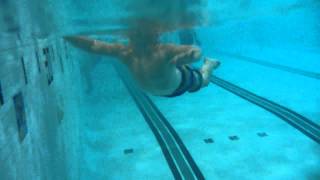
[159, 90]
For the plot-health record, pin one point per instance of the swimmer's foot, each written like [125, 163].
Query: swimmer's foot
[207, 68]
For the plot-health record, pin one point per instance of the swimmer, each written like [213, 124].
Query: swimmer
[160, 69]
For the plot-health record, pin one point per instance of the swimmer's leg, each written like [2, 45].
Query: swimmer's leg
[207, 68]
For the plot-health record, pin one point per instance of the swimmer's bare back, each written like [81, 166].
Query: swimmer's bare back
[155, 69]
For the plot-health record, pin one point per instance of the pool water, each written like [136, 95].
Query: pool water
[84, 117]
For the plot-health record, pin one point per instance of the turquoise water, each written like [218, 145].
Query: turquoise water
[258, 119]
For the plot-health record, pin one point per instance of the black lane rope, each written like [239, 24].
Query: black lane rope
[271, 65]
[184, 149]
[177, 156]
[296, 120]
[173, 167]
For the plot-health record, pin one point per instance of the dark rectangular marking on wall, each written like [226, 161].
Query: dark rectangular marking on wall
[38, 61]
[1, 96]
[51, 52]
[24, 71]
[48, 65]
[61, 64]
[20, 115]
[66, 50]
[45, 50]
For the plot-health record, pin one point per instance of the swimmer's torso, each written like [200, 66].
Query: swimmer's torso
[153, 71]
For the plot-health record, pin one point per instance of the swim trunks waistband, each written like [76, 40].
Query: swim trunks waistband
[191, 81]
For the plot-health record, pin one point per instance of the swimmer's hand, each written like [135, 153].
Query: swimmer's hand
[70, 38]
[187, 57]
[73, 38]
[195, 53]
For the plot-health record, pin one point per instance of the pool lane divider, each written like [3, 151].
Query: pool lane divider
[301, 123]
[301, 72]
[179, 159]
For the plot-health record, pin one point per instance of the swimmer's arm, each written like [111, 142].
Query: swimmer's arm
[95, 46]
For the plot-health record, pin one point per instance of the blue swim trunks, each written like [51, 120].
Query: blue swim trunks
[191, 81]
